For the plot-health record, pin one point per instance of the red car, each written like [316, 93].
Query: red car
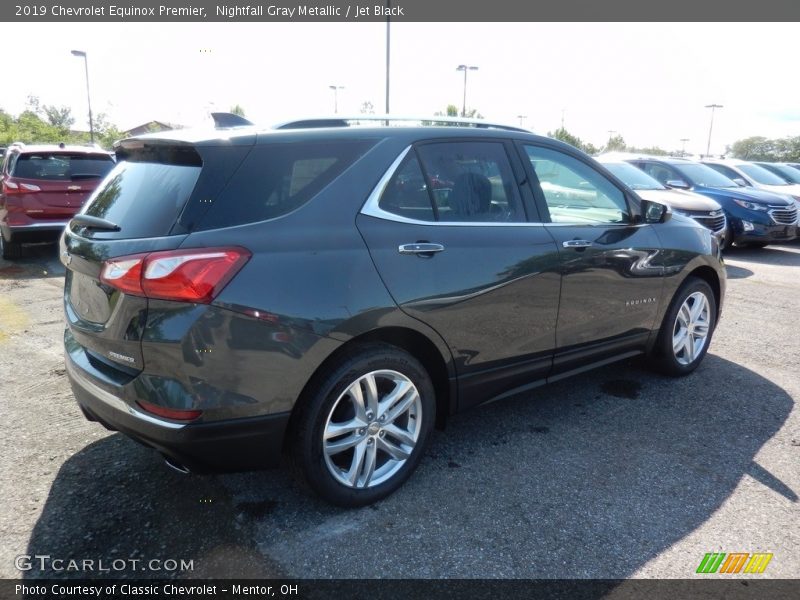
[42, 189]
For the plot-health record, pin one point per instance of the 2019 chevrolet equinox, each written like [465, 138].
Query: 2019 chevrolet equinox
[333, 293]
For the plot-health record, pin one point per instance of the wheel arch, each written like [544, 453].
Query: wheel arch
[409, 340]
[709, 275]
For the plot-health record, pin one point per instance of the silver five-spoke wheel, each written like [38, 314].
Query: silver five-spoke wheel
[691, 328]
[372, 429]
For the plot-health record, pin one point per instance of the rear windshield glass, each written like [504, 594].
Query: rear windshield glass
[761, 175]
[62, 166]
[143, 198]
[278, 178]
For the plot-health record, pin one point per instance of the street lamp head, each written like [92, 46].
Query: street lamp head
[79, 53]
[714, 106]
[466, 68]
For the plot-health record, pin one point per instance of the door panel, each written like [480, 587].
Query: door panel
[610, 265]
[491, 293]
[610, 291]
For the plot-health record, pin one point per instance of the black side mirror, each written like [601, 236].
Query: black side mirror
[653, 212]
[678, 183]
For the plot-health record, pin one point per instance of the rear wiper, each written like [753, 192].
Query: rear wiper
[91, 222]
[75, 176]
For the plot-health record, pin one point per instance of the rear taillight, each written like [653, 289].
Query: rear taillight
[176, 414]
[196, 275]
[10, 188]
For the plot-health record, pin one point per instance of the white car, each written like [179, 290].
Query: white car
[750, 174]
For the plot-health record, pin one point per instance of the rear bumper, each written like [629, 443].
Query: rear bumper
[33, 232]
[229, 445]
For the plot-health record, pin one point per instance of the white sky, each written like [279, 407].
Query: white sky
[649, 82]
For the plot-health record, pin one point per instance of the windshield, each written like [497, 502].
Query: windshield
[62, 166]
[785, 171]
[761, 175]
[705, 176]
[634, 178]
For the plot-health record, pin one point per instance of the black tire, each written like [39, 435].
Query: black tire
[327, 392]
[10, 250]
[753, 245]
[664, 358]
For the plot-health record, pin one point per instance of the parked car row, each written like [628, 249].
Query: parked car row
[759, 206]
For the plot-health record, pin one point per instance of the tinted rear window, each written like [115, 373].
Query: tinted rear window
[143, 198]
[276, 179]
[62, 166]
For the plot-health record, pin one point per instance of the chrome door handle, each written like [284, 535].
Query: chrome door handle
[577, 244]
[420, 248]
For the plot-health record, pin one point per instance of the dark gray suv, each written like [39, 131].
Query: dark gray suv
[333, 293]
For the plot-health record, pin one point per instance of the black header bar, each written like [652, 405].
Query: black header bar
[398, 10]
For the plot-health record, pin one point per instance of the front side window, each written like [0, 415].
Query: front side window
[574, 192]
[455, 182]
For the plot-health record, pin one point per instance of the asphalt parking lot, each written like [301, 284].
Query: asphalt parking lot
[617, 473]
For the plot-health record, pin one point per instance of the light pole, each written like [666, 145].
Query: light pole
[388, 52]
[711, 127]
[336, 89]
[683, 148]
[465, 68]
[88, 95]
[521, 119]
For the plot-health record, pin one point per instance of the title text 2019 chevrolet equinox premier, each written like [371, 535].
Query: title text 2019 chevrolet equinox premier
[334, 293]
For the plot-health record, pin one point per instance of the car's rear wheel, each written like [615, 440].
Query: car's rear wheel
[687, 329]
[364, 425]
[10, 250]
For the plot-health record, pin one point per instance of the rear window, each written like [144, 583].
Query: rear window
[145, 198]
[276, 179]
[62, 166]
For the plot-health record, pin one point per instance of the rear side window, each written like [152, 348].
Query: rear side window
[452, 182]
[277, 178]
[145, 198]
[61, 166]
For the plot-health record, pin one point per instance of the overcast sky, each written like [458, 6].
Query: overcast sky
[649, 82]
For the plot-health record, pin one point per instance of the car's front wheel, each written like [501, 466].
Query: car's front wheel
[364, 426]
[687, 329]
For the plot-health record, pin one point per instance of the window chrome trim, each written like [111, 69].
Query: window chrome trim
[372, 208]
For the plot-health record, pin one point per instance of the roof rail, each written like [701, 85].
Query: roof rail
[347, 121]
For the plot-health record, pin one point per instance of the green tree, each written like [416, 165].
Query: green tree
[565, 136]
[59, 117]
[367, 108]
[237, 109]
[616, 143]
[756, 148]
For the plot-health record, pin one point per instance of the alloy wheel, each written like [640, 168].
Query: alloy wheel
[691, 328]
[372, 429]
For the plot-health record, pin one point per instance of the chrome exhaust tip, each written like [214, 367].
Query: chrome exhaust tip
[176, 466]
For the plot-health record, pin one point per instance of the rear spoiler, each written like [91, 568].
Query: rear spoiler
[223, 120]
